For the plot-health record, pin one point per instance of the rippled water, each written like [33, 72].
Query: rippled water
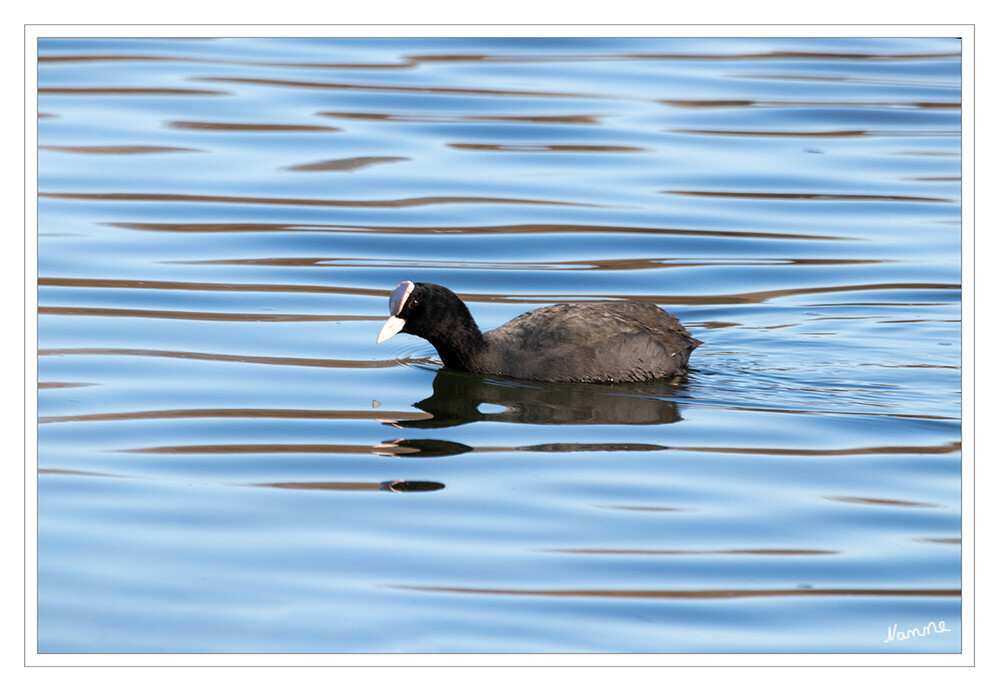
[228, 463]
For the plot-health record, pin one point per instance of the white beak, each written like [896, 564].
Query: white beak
[392, 327]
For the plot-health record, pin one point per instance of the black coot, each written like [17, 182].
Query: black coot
[595, 342]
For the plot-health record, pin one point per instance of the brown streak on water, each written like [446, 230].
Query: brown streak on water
[698, 594]
[816, 196]
[296, 84]
[200, 316]
[952, 447]
[291, 201]
[345, 164]
[127, 91]
[224, 357]
[250, 127]
[704, 552]
[240, 449]
[762, 296]
[117, 149]
[460, 117]
[517, 229]
[251, 413]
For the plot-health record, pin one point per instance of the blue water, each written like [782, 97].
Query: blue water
[228, 463]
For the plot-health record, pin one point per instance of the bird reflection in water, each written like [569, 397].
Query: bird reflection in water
[460, 398]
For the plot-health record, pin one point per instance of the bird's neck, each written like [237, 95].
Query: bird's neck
[458, 341]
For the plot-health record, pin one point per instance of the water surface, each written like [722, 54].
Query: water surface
[228, 463]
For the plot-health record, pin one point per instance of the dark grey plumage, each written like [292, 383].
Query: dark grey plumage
[593, 342]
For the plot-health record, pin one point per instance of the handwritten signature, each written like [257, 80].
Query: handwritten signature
[933, 627]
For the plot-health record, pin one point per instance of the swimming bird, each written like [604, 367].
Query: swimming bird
[591, 342]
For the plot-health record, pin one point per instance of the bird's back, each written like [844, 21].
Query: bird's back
[610, 341]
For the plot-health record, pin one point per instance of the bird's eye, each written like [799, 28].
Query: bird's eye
[414, 303]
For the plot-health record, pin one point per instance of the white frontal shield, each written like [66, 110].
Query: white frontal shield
[397, 300]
